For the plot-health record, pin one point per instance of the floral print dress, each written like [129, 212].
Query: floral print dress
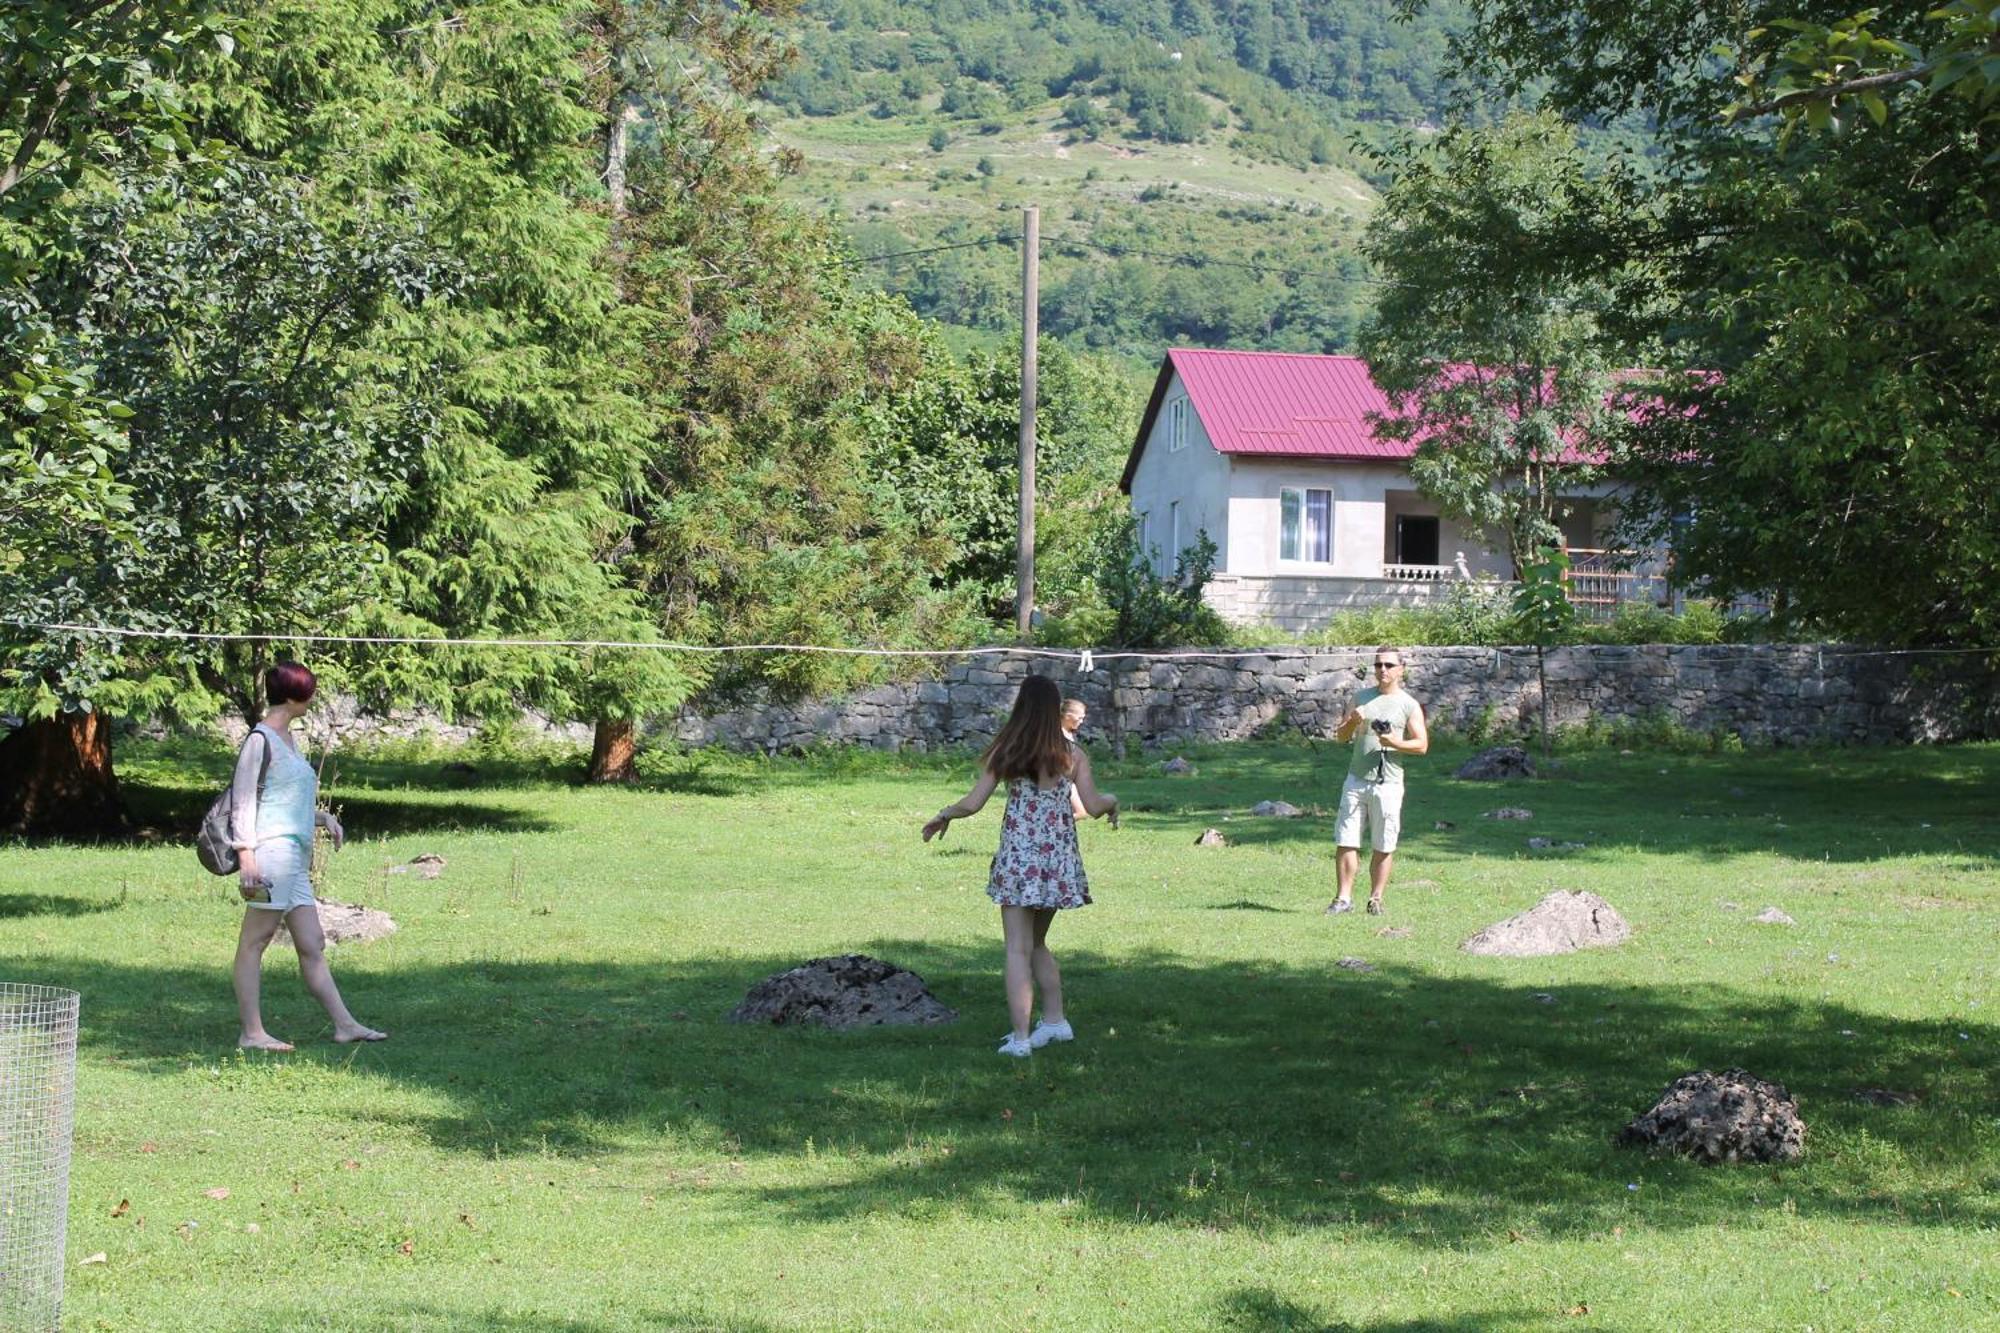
[1038, 864]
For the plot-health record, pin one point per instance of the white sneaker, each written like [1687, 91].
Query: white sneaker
[1018, 1047]
[1046, 1032]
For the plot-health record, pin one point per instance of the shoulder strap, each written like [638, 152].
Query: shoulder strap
[264, 766]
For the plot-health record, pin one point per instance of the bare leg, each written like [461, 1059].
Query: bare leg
[1018, 924]
[1379, 866]
[310, 940]
[259, 925]
[1345, 864]
[1048, 977]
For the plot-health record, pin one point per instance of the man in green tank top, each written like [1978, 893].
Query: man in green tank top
[1384, 724]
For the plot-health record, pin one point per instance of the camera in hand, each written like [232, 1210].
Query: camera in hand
[1381, 726]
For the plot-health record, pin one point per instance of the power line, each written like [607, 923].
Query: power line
[1001, 238]
[1075, 244]
[1211, 261]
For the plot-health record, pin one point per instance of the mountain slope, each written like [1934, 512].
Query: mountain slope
[1197, 164]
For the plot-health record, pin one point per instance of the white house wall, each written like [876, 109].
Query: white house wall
[1359, 517]
[1195, 475]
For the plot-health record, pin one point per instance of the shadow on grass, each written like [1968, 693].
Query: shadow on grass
[14, 905]
[410, 1318]
[174, 813]
[1442, 1109]
[1838, 805]
[1261, 1310]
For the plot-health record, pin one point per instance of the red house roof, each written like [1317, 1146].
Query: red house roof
[1275, 404]
[1279, 405]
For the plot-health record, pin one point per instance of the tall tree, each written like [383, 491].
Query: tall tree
[1491, 333]
[674, 76]
[87, 90]
[1826, 299]
[474, 130]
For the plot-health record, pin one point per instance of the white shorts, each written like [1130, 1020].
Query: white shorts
[288, 868]
[1376, 807]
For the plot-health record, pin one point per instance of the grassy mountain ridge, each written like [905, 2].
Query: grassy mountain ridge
[1198, 165]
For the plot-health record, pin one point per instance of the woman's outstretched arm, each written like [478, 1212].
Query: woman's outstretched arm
[969, 804]
[1094, 801]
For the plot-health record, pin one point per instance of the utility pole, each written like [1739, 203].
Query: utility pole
[1024, 541]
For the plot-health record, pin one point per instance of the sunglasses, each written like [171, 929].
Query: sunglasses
[1387, 666]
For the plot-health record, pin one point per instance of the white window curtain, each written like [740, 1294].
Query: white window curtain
[1305, 525]
[1319, 526]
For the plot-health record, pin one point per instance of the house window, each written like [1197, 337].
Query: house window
[1177, 412]
[1173, 550]
[1305, 525]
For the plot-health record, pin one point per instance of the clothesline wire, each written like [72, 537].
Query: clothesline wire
[1075, 655]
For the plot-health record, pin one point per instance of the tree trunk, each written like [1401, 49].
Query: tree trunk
[612, 752]
[624, 114]
[56, 779]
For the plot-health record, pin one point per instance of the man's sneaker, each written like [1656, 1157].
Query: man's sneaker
[1046, 1032]
[1339, 905]
[1018, 1047]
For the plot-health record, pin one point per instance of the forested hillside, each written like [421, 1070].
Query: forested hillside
[1202, 165]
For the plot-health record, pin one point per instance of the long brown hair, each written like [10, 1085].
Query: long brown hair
[1031, 744]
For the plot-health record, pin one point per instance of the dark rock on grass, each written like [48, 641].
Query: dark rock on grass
[1276, 809]
[850, 991]
[1509, 812]
[1354, 964]
[1563, 922]
[1728, 1117]
[1177, 765]
[1886, 1097]
[1211, 837]
[1497, 765]
[347, 923]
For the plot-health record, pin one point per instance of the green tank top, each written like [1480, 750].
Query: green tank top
[1371, 762]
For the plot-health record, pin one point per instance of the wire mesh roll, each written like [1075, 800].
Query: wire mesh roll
[37, 1113]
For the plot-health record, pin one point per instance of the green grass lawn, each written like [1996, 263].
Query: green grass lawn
[564, 1134]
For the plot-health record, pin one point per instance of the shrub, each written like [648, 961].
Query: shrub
[1149, 611]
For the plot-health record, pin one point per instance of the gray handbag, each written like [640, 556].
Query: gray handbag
[212, 845]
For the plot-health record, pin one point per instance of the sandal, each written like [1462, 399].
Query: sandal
[1374, 907]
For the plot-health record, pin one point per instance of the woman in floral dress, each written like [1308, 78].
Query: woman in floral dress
[1038, 870]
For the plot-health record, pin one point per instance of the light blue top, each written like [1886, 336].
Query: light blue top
[289, 801]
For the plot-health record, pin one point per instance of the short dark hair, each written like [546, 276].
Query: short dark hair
[1389, 648]
[288, 683]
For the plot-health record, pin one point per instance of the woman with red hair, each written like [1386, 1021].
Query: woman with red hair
[275, 800]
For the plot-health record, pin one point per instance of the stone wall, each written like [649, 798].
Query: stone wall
[1782, 694]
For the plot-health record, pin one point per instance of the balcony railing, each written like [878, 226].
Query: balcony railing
[1597, 587]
